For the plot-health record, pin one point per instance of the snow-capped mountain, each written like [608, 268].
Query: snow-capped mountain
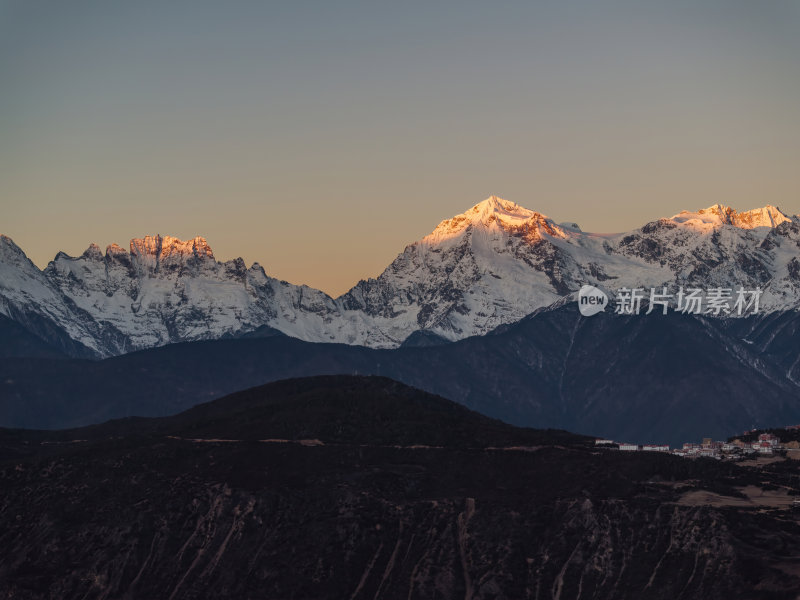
[165, 290]
[28, 297]
[492, 265]
[499, 261]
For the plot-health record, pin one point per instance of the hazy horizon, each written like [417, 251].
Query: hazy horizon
[320, 139]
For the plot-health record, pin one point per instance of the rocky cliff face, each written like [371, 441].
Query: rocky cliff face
[490, 266]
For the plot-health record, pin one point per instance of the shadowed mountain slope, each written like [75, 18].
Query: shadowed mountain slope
[649, 378]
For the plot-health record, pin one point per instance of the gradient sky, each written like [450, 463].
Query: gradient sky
[319, 138]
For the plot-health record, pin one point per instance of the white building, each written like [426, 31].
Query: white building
[764, 448]
[629, 447]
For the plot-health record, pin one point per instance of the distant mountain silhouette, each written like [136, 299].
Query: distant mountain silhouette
[651, 378]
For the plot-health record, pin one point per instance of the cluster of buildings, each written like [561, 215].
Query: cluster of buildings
[767, 444]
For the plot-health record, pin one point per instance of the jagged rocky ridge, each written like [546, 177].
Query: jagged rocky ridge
[490, 266]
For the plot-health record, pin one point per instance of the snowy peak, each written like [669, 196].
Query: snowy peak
[114, 250]
[9, 249]
[495, 213]
[164, 247]
[93, 252]
[155, 252]
[718, 215]
[150, 251]
[12, 258]
[505, 211]
[768, 216]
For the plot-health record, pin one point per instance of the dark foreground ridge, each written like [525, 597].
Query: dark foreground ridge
[356, 487]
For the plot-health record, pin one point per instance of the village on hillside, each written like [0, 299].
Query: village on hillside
[765, 444]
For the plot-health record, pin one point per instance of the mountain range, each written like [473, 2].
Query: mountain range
[491, 266]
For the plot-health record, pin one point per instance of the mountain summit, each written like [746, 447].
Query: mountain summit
[497, 214]
[489, 266]
[167, 247]
[718, 215]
